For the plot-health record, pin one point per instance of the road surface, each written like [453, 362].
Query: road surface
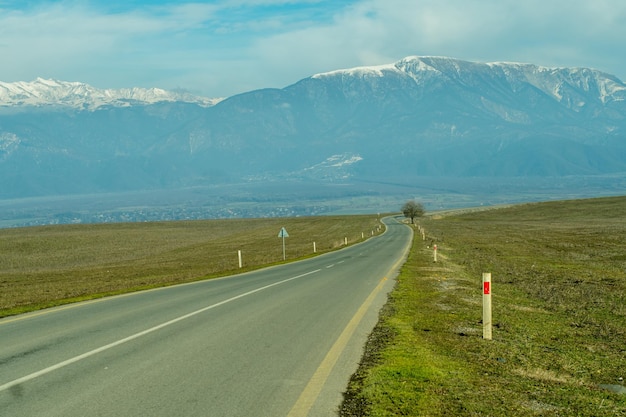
[282, 341]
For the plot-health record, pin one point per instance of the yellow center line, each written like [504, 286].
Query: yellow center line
[312, 390]
[317, 381]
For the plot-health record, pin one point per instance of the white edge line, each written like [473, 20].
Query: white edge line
[49, 310]
[70, 361]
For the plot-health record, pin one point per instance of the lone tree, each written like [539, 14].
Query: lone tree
[412, 209]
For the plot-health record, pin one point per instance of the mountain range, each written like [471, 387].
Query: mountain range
[420, 117]
[81, 96]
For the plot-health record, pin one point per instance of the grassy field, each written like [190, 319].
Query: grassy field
[559, 299]
[47, 266]
[559, 312]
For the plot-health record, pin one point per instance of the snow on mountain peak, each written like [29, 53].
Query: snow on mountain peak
[564, 84]
[377, 70]
[46, 92]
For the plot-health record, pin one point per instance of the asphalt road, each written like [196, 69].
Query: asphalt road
[278, 342]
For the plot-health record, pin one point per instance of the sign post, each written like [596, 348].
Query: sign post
[487, 305]
[283, 233]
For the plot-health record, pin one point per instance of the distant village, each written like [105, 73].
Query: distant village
[155, 214]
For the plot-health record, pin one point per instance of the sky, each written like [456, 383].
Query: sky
[224, 47]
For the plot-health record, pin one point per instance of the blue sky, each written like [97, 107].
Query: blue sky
[221, 48]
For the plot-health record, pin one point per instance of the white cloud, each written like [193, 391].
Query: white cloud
[548, 32]
[232, 46]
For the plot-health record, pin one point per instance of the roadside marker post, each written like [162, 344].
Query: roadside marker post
[314, 248]
[435, 252]
[283, 233]
[240, 260]
[487, 305]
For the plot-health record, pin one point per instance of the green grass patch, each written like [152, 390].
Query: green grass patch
[559, 313]
[52, 265]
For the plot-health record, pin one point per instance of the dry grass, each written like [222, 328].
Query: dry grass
[45, 266]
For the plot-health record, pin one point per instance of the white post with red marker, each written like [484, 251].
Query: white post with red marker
[435, 252]
[487, 305]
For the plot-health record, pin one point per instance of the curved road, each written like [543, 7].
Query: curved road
[282, 341]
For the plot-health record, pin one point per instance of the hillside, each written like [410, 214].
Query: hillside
[558, 288]
[421, 117]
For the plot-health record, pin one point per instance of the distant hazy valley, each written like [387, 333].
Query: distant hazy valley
[450, 133]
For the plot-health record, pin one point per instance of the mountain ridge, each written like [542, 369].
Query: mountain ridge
[609, 87]
[42, 92]
[418, 117]
[48, 92]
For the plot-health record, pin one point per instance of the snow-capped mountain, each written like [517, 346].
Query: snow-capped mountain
[549, 80]
[572, 87]
[418, 117]
[42, 92]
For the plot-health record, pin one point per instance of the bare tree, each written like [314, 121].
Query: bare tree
[412, 209]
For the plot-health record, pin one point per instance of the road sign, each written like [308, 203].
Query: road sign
[283, 233]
